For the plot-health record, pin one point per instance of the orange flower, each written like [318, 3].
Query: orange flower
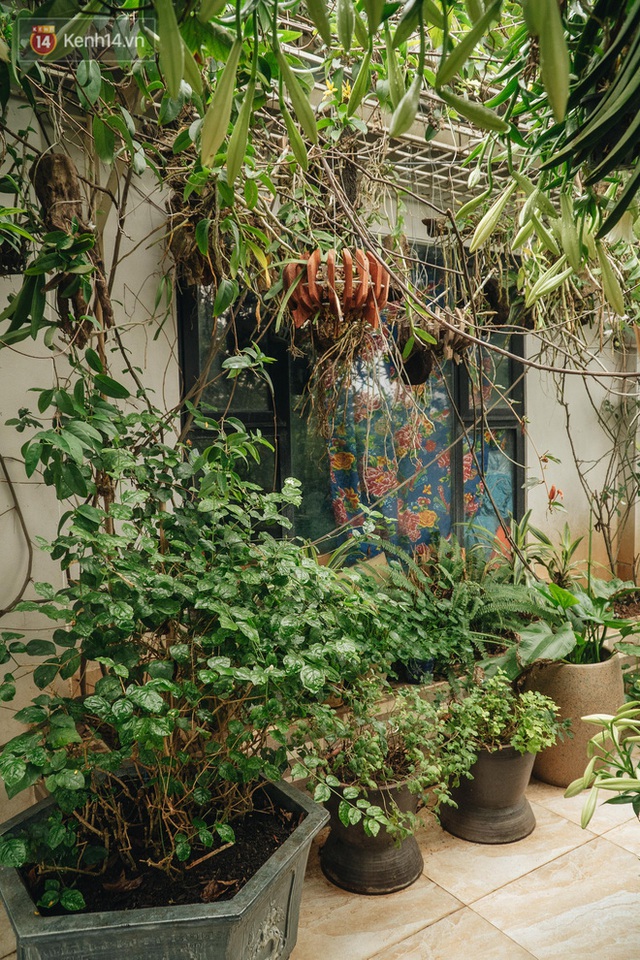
[428, 518]
[342, 461]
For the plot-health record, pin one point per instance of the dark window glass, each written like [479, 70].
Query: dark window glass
[415, 451]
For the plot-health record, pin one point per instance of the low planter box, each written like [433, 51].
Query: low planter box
[259, 923]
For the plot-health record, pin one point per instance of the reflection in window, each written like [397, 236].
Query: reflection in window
[396, 446]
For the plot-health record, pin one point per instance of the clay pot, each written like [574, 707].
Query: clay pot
[492, 807]
[578, 689]
[371, 865]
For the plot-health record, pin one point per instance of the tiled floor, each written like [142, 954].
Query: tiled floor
[561, 892]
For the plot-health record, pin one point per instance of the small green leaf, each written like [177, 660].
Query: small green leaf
[225, 296]
[225, 832]
[93, 360]
[321, 793]
[89, 80]
[110, 387]
[104, 140]
[45, 674]
[40, 648]
[13, 852]
[202, 236]
[72, 900]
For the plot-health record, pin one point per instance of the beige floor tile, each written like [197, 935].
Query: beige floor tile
[584, 904]
[7, 938]
[335, 924]
[605, 817]
[472, 870]
[457, 937]
[627, 835]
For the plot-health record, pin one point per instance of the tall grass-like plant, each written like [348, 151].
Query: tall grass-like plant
[613, 762]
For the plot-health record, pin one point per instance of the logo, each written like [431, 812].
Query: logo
[43, 39]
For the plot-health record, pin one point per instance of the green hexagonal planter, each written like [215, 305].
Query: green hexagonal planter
[260, 923]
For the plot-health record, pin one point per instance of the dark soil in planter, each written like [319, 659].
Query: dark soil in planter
[628, 607]
[219, 877]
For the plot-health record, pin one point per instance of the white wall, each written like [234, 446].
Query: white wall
[29, 364]
[547, 434]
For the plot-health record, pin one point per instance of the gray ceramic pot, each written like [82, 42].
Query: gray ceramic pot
[578, 689]
[492, 807]
[260, 923]
[371, 865]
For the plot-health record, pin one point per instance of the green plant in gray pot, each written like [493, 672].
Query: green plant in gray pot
[371, 762]
[488, 739]
[207, 637]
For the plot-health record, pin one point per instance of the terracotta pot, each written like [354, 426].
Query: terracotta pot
[492, 807]
[371, 865]
[578, 689]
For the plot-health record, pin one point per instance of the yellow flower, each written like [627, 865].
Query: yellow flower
[329, 92]
[346, 90]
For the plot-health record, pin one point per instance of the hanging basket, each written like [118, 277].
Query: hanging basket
[336, 290]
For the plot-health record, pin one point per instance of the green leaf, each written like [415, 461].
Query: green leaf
[89, 80]
[225, 832]
[226, 294]
[146, 699]
[44, 399]
[104, 140]
[49, 898]
[63, 732]
[13, 852]
[343, 812]
[12, 770]
[66, 780]
[321, 793]
[251, 193]
[31, 454]
[72, 900]
[312, 678]
[111, 388]
[40, 648]
[31, 714]
[45, 674]
[183, 848]
[540, 642]
[202, 236]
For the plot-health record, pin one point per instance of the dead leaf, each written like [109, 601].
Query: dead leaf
[122, 884]
[214, 889]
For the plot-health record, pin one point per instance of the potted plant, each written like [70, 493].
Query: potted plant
[613, 765]
[370, 762]
[488, 740]
[571, 655]
[206, 637]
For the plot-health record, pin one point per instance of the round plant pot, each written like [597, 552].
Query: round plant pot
[371, 865]
[260, 922]
[578, 689]
[492, 807]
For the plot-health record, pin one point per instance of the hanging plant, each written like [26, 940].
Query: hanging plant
[335, 292]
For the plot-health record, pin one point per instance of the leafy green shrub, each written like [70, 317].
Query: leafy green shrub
[210, 636]
[376, 738]
[492, 715]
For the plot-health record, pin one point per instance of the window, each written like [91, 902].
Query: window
[418, 452]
